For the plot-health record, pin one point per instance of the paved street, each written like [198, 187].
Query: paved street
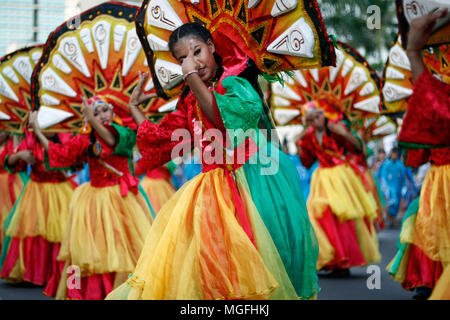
[353, 288]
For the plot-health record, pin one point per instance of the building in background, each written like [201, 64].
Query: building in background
[27, 22]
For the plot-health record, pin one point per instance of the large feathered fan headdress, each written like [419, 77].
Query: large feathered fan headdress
[351, 89]
[397, 85]
[97, 53]
[407, 10]
[16, 69]
[278, 35]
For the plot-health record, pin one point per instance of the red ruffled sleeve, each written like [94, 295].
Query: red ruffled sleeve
[26, 144]
[427, 120]
[69, 154]
[307, 150]
[155, 140]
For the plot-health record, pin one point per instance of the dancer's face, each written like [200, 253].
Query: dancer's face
[202, 54]
[394, 156]
[104, 114]
[316, 119]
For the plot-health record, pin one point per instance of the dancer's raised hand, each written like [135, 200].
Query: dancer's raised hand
[138, 95]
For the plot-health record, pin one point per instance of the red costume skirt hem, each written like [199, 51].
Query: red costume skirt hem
[342, 236]
[421, 270]
[38, 256]
[94, 287]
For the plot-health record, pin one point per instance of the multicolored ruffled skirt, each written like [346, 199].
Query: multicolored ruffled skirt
[342, 213]
[34, 230]
[277, 193]
[199, 249]
[424, 242]
[104, 238]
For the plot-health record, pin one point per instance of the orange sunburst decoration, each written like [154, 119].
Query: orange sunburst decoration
[100, 56]
[375, 128]
[397, 84]
[437, 60]
[278, 35]
[350, 88]
[15, 84]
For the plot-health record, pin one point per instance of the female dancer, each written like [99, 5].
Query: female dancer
[424, 243]
[37, 222]
[341, 209]
[108, 219]
[208, 241]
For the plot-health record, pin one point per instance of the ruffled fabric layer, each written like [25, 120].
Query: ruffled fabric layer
[342, 213]
[67, 283]
[105, 234]
[158, 191]
[430, 229]
[41, 211]
[10, 186]
[413, 269]
[197, 249]
[423, 245]
[31, 259]
[34, 230]
[276, 192]
[442, 288]
[341, 190]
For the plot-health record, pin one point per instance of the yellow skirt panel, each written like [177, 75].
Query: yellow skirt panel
[6, 203]
[431, 229]
[196, 249]
[158, 191]
[42, 211]
[343, 191]
[442, 289]
[105, 231]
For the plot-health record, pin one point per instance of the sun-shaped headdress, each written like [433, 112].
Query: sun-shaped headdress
[278, 35]
[351, 89]
[16, 69]
[397, 82]
[95, 53]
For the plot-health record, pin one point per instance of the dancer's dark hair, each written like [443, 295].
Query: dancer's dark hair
[192, 29]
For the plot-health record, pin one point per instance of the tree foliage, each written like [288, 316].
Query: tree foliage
[348, 21]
